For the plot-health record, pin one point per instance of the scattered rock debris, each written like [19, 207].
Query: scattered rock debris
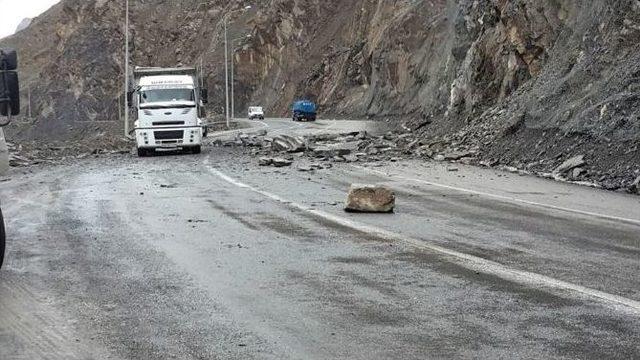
[392, 147]
[37, 153]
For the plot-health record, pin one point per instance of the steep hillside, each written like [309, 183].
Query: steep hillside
[526, 83]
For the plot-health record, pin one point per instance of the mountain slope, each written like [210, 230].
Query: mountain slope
[525, 83]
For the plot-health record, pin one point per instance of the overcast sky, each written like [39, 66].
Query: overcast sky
[13, 11]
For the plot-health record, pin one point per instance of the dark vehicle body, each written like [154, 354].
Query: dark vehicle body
[9, 106]
[304, 110]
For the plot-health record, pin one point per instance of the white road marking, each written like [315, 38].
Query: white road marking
[501, 197]
[471, 262]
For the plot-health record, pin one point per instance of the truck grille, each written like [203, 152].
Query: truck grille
[168, 135]
[168, 123]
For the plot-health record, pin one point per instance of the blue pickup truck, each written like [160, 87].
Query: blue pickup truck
[304, 110]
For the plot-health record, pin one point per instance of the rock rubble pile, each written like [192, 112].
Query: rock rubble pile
[360, 147]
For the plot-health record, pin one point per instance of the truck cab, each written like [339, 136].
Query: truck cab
[168, 104]
[304, 110]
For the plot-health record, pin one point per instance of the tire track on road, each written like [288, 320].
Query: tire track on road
[23, 323]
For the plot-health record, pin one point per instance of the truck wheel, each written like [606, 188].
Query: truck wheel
[142, 152]
[2, 238]
[197, 149]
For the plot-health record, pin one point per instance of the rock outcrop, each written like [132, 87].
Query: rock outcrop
[23, 24]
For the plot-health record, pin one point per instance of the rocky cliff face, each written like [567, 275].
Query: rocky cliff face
[526, 83]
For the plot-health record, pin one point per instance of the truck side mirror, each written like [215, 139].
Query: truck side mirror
[8, 59]
[9, 93]
[204, 96]
[9, 85]
[130, 99]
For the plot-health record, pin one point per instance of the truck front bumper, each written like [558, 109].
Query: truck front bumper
[170, 138]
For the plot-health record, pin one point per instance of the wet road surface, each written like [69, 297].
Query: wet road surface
[211, 256]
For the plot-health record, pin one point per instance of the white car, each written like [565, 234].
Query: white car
[256, 113]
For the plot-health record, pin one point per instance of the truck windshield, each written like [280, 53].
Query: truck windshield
[166, 95]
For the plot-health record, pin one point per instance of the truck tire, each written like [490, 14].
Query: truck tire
[197, 149]
[9, 59]
[2, 239]
[10, 78]
[142, 152]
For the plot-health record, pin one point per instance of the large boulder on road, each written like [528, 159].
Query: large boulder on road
[370, 199]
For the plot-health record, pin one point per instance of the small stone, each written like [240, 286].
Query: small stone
[635, 186]
[577, 172]
[265, 161]
[351, 158]
[574, 162]
[282, 162]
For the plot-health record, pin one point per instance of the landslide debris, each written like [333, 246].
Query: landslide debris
[526, 84]
[320, 151]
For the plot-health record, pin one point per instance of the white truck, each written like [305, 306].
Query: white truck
[169, 104]
[256, 112]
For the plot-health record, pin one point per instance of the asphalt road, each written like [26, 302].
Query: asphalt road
[211, 256]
